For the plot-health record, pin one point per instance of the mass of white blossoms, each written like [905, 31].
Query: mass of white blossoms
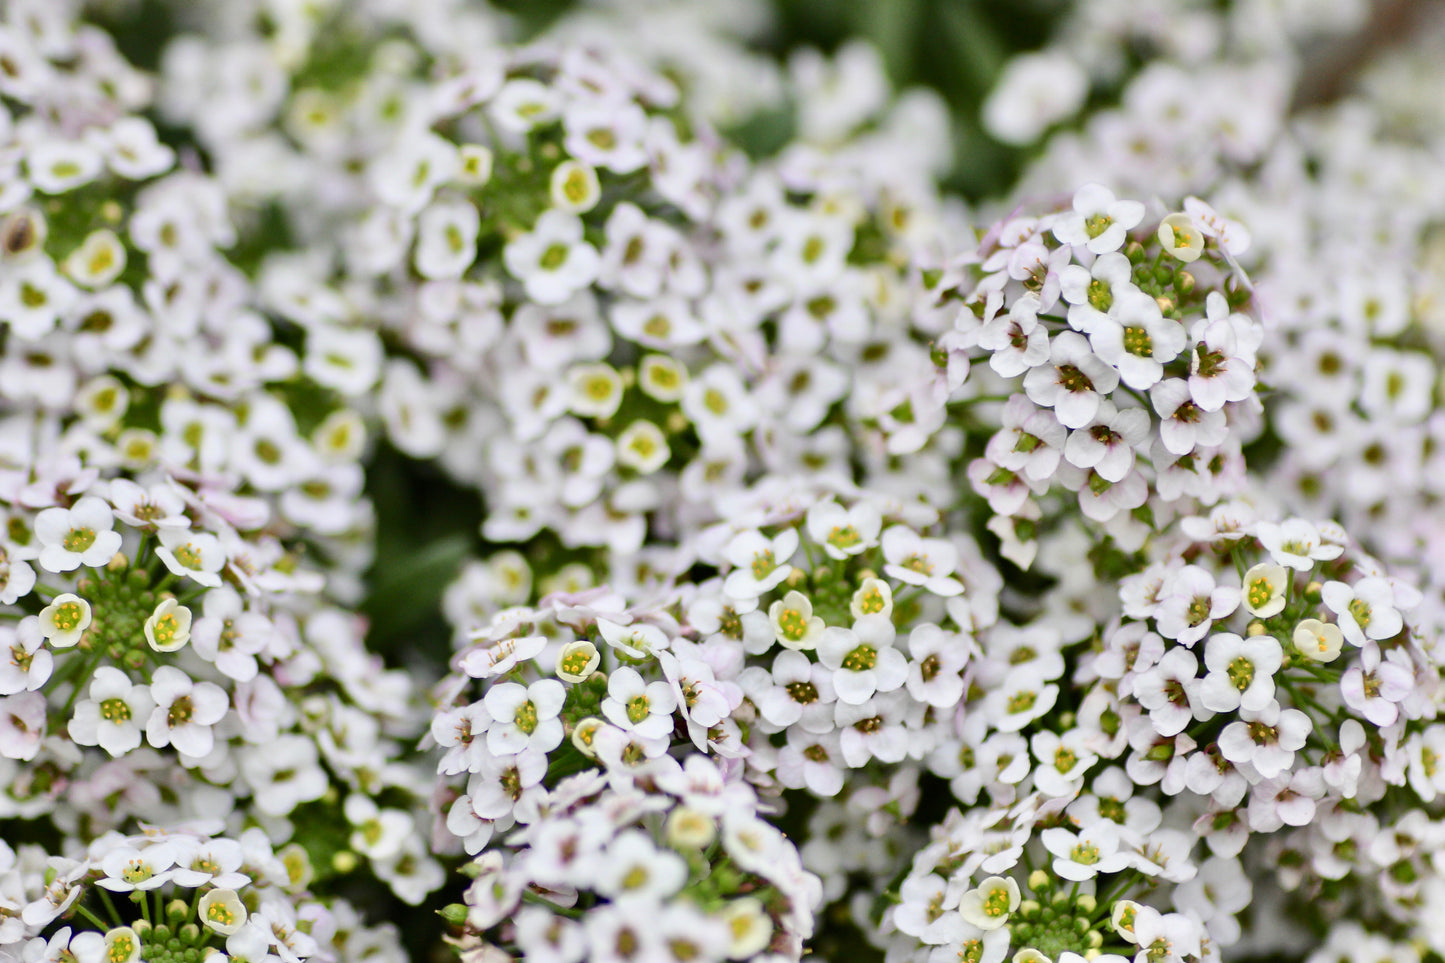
[826, 566]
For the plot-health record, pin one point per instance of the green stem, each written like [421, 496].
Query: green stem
[99, 923]
[109, 906]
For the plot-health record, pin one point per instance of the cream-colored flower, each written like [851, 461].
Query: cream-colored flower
[223, 911]
[1181, 238]
[64, 620]
[1318, 641]
[169, 627]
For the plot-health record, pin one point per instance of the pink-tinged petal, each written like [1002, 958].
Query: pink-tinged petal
[1296, 810]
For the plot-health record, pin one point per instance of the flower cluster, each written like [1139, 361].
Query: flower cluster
[1135, 368]
[177, 896]
[181, 493]
[852, 566]
[680, 867]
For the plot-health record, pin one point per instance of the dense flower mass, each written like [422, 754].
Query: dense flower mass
[822, 565]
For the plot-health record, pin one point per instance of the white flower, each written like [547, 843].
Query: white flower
[634, 868]
[1296, 543]
[283, 773]
[525, 716]
[552, 261]
[446, 239]
[198, 555]
[1192, 603]
[989, 904]
[22, 725]
[122, 945]
[57, 166]
[112, 715]
[1073, 381]
[794, 624]
[1181, 237]
[64, 620]
[1099, 221]
[936, 661]
[863, 659]
[1365, 610]
[797, 690]
[1241, 672]
[1170, 692]
[128, 868]
[169, 626]
[1094, 850]
[844, 532]
[1318, 641]
[98, 261]
[222, 911]
[378, 833]
[1063, 760]
[643, 447]
[574, 187]
[25, 663]
[759, 563]
[872, 597]
[638, 706]
[1033, 92]
[229, 636]
[81, 535]
[1020, 698]
[184, 712]
[1266, 740]
[596, 389]
[1264, 589]
[1375, 686]
[1137, 339]
[927, 562]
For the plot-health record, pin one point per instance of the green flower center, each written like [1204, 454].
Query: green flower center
[792, 625]
[871, 601]
[181, 712]
[1198, 610]
[1260, 592]
[115, 710]
[638, 708]
[1097, 224]
[553, 258]
[763, 563]
[67, 616]
[804, 693]
[526, 717]
[1074, 380]
[861, 659]
[1241, 672]
[574, 662]
[1138, 343]
[189, 556]
[1360, 609]
[78, 539]
[166, 629]
[1021, 701]
[1101, 298]
[918, 563]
